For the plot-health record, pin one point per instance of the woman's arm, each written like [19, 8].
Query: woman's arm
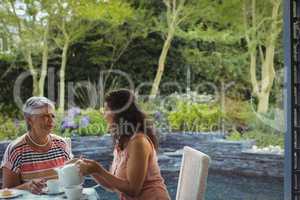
[139, 150]
[102, 182]
[12, 180]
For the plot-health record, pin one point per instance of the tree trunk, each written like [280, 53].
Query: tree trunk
[268, 71]
[263, 102]
[44, 64]
[35, 83]
[253, 73]
[161, 62]
[268, 76]
[62, 71]
[263, 90]
[36, 89]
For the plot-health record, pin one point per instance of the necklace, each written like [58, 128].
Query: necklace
[39, 145]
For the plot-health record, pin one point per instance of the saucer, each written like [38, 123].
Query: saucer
[46, 192]
[83, 196]
[13, 194]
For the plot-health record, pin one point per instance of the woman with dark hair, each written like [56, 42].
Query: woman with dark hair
[135, 173]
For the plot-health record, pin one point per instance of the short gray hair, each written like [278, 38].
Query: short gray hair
[34, 103]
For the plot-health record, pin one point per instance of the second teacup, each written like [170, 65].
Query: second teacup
[73, 192]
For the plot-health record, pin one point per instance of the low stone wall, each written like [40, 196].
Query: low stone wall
[226, 156]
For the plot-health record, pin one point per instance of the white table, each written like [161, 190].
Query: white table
[89, 194]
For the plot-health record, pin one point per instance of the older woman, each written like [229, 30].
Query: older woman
[30, 159]
[135, 173]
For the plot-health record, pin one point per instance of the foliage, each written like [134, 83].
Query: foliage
[82, 123]
[214, 49]
[6, 57]
[212, 60]
[234, 136]
[128, 36]
[168, 102]
[195, 117]
[77, 122]
[156, 113]
[114, 11]
[97, 124]
[9, 110]
[271, 122]
[11, 128]
[238, 115]
[243, 123]
[262, 139]
[159, 108]
[26, 27]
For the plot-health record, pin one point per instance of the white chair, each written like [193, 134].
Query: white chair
[69, 145]
[193, 174]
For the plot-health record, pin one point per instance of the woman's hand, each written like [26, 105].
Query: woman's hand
[73, 160]
[88, 167]
[36, 186]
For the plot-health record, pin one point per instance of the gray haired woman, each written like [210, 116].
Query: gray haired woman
[30, 159]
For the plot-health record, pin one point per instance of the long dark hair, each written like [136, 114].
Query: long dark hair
[128, 119]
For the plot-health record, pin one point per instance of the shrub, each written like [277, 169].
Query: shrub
[234, 136]
[11, 128]
[238, 115]
[262, 139]
[92, 123]
[156, 113]
[10, 110]
[82, 122]
[195, 117]
[270, 122]
[172, 112]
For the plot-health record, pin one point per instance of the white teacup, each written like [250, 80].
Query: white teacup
[53, 186]
[73, 192]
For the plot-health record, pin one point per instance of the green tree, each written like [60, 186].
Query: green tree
[67, 28]
[251, 29]
[263, 26]
[112, 37]
[28, 28]
[177, 13]
[214, 49]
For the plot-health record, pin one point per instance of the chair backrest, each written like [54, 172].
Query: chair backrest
[193, 174]
[69, 144]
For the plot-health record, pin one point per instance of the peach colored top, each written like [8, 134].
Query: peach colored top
[153, 187]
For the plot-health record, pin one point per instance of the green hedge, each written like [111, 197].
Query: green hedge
[262, 139]
[11, 128]
[88, 122]
[195, 117]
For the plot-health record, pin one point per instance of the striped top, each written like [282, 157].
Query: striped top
[31, 163]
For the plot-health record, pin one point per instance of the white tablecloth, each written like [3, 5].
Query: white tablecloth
[88, 194]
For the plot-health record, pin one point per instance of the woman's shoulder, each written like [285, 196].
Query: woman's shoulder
[139, 140]
[139, 137]
[16, 144]
[58, 139]
[19, 141]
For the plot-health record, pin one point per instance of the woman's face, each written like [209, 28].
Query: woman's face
[43, 121]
